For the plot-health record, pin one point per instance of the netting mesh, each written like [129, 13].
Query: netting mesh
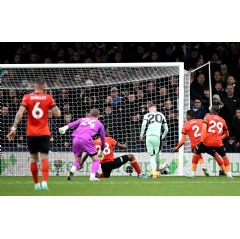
[122, 94]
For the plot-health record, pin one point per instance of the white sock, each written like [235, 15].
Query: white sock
[73, 169]
[44, 183]
[92, 175]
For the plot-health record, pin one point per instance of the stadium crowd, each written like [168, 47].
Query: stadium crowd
[123, 106]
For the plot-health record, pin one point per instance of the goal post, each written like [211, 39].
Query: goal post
[121, 91]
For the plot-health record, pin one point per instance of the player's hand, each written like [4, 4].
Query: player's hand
[174, 150]
[63, 129]
[11, 135]
[100, 154]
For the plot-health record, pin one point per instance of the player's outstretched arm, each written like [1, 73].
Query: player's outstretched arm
[121, 146]
[180, 144]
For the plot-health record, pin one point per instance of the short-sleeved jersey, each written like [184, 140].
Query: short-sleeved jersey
[193, 129]
[108, 151]
[87, 128]
[37, 106]
[153, 121]
[216, 125]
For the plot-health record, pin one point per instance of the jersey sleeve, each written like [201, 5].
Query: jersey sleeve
[24, 101]
[102, 136]
[51, 102]
[75, 123]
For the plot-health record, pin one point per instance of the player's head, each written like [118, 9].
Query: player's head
[95, 113]
[152, 108]
[191, 114]
[214, 109]
[40, 83]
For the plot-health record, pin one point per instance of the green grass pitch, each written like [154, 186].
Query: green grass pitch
[123, 186]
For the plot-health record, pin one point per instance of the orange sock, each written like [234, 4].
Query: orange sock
[200, 159]
[101, 175]
[45, 169]
[194, 159]
[194, 167]
[136, 166]
[34, 171]
[226, 163]
[219, 160]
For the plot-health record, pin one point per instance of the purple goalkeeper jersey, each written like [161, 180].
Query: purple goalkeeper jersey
[87, 128]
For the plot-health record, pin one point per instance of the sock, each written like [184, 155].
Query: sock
[136, 166]
[34, 170]
[101, 175]
[95, 166]
[226, 164]
[219, 160]
[200, 159]
[45, 169]
[194, 159]
[75, 166]
[194, 167]
[158, 160]
[44, 183]
[153, 163]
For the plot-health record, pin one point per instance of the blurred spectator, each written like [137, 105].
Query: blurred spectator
[115, 98]
[231, 101]
[235, 127]
[198, 86]
[198, 108]
[224, 111]
[224, 74]
[17, 59]
[205, 99]
[231, 146]
[232, 81]
[218, 89]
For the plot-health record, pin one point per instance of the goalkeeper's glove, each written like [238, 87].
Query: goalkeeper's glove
[100, 154]
[63, 129]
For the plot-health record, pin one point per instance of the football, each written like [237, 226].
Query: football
[158, 174]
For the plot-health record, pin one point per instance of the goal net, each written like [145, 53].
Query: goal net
[122, 93]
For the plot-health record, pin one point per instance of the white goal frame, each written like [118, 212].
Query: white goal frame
[184, 83]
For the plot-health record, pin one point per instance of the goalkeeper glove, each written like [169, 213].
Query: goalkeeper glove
[100, 154]
[63, 129]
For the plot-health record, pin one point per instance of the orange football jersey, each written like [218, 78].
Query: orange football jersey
[193, 129]
[108, 151]
[37, 106]
[216, 125]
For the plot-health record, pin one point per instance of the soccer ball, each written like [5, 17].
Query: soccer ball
[158, 174]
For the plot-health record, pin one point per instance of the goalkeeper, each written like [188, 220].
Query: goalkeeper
[152, 124]
[82, 141]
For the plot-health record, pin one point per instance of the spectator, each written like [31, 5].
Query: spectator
[232, 81]
[218, 89]
[198, 108]
[224, 74]
[231, 146]
[198, 86]
[115, 98]
[235, 127]
[223, 110]
[232, 102]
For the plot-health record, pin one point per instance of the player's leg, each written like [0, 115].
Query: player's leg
[76, 165]
[136, 166]
[44, 147]
[106, 169]
[33, 150]
[89, 147]
[217, 157]
[221, 151]
[77, 151]
[204, 168]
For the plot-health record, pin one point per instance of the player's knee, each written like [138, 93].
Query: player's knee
[130, 157]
